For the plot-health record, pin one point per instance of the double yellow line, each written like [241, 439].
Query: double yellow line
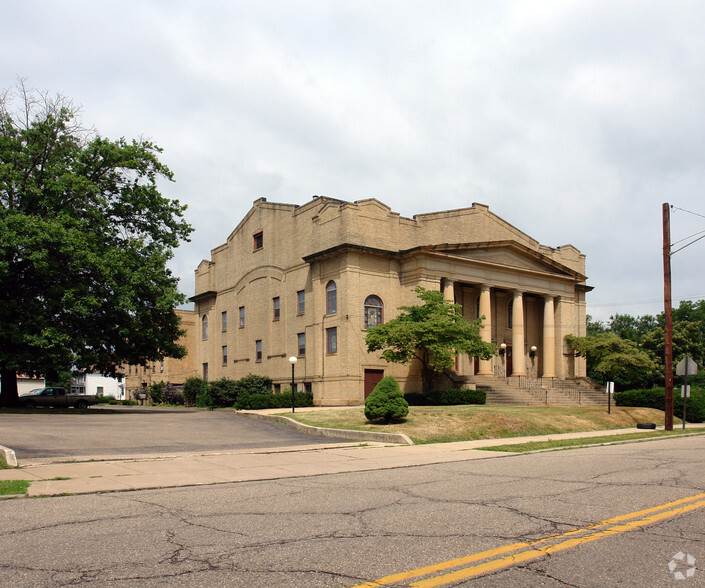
[495, 559]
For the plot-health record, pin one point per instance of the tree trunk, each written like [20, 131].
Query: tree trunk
[8, 381]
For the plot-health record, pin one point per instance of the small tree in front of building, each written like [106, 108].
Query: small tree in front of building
[386, 402]
[432, 333]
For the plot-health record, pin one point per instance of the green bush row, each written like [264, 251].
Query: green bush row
[446, 397]
[112, 400]
[656, 398]
[283, 400]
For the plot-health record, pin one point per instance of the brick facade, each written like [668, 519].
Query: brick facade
[280, 253]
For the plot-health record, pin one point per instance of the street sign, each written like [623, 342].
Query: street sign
[686, 367]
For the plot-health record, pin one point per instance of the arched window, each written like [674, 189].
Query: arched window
[204, 327]
[331, 298]
[373, 311]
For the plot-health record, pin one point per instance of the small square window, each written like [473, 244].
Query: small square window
[258, 350]
[242, 316]
[275, 305]
[258, 240]
[300, 302]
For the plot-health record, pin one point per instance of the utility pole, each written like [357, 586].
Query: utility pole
[668, 315]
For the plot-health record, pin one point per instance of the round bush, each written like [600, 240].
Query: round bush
[386, 402]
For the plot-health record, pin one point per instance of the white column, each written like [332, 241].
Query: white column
[449, 289]
[518, 350]
[549, 339]
[486, 329]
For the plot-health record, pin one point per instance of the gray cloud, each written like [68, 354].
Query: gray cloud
[574, 120]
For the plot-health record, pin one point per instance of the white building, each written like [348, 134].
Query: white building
[96, 384]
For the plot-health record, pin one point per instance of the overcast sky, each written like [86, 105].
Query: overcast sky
[573, 120]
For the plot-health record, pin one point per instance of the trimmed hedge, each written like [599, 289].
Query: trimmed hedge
[656, 398]
[283, 400]
[447, 397]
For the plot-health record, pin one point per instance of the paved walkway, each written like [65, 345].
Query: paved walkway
[161, 471]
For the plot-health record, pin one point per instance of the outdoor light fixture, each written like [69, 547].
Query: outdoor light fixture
[532, 351]
[502, 348]
[292, 361]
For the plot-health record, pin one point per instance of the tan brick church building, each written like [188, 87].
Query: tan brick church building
[308, 281]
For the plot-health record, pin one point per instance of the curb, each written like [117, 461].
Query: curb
[10, 456]
[397, 438]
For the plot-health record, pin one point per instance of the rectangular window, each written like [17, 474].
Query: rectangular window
[300, 302]
[100, 390]
[258, 240]
[154, 367]
[224, 320]
[205, 371]
[161, 366]
[242, 316]
[308, 388]
[258, 350]
[275, 305]
[225, 354]
[302, 343]
[332, 340]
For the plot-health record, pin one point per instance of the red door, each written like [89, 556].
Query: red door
[372, 378]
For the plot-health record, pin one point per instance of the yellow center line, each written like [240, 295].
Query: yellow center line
[640, 515]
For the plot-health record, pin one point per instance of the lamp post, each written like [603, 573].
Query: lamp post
[292, 361]
[502, 352]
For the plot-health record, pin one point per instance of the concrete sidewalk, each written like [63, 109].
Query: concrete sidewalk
[97, 474]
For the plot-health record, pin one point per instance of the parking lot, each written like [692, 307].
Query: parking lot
[123, 431]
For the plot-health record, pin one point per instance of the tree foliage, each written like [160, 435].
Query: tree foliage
[85, 235]
[432, 332]
[615, 359]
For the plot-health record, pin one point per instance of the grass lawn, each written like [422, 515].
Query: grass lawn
[443, 424]
[8, 487]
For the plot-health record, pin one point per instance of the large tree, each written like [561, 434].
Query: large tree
[432, 333]
[611, 358]
[85, 235]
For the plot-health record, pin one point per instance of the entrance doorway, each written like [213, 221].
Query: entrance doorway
[508, 356]
[372, 378]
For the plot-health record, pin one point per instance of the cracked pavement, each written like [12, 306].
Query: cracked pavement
[348, 528]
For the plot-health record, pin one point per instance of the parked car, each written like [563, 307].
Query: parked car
[55, 397]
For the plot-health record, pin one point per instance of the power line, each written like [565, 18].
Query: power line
[694, 298]
[688, 211]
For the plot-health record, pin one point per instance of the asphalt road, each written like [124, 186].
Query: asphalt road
[347, 529]
[48, 433]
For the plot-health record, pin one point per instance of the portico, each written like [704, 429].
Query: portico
[529, 303]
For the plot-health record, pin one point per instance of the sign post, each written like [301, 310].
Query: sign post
[685, 367]
[610, 391]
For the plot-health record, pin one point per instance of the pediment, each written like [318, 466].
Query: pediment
[507, 254]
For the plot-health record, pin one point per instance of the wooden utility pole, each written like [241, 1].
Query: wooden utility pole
[668, 316]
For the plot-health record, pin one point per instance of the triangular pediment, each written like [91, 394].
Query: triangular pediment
[507, 254]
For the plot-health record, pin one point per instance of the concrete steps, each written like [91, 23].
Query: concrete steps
[553, 393]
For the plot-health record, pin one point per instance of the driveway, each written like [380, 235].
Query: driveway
[47, 433]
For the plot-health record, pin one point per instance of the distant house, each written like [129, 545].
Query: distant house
[96, 384]
[308, 281]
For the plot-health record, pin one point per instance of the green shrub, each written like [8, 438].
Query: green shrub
[129, 402]
[252, 384]
[283, 400]
[221, 393]
[173, 395]
[193, 389]
[656, 398]
[446, 397]
[156, 392]
[106, 399]
[386, 402]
